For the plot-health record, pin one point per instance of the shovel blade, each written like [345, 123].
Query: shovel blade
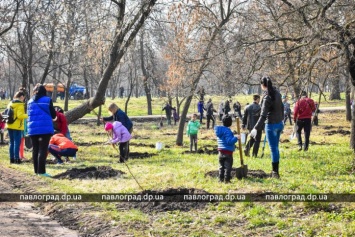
[242, 172]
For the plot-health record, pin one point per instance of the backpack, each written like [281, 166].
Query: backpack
[9, 115]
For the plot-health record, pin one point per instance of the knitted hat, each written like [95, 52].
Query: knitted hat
[108, 126]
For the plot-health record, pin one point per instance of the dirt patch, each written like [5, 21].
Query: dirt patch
[160, 206]
[100, 172]
[145, 145]
[137, 155]
[338, 131]
[140, 137]
[169, 134]
[203, 151]
[89, 143]
[251, 174]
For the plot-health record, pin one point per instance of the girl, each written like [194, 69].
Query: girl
[16, 128]
[119, 133]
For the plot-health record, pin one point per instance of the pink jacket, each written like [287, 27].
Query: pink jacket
[120, 133]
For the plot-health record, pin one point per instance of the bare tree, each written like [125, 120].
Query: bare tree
[8, 11]
[125, 33]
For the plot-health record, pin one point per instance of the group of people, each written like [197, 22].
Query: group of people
[38, 122]
[47, 127]
[268, 113]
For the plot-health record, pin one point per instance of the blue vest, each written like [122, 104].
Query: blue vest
[39, 117]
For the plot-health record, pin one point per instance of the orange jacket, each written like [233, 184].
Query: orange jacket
[62, 142]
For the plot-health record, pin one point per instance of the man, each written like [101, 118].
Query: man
[250, 118]
[168, 110]
[209, 113]
[302, 116]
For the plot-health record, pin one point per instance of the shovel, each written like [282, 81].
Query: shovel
[242, 171]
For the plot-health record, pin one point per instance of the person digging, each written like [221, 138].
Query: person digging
[119, 134]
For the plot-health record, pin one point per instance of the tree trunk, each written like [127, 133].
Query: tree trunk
[347, 102]
[145, 77]
[122, 40]
[181, 129]
[352, 137]
[335, 91]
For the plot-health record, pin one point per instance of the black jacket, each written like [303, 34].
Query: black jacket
[271, 111]
[251, 115]
[209, 108]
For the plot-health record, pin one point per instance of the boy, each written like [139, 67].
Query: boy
[192, 130]
[226, 145]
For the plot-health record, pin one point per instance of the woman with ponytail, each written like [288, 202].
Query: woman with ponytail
[272, 113]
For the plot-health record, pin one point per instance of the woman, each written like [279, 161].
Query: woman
[41, 115]
[272, 113]
[16, 128]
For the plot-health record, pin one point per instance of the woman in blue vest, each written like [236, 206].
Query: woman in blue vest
[41, 115]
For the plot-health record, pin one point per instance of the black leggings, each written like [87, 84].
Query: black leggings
[306, 125]
[39, 152]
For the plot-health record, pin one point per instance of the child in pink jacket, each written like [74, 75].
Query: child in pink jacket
[119, 133]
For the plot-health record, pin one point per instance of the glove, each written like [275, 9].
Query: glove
[253, 133]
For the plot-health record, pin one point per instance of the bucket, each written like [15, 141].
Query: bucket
[243, 138]
[159, 146]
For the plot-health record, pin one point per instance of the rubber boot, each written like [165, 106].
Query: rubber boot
[275, 170]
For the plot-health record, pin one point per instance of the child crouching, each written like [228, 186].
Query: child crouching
[119, 133]
[226, 146]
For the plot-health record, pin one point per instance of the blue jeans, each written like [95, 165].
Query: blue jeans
[15, 141]
[273, 132]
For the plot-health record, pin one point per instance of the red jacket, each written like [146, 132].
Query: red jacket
[304, 108]
[61, 124]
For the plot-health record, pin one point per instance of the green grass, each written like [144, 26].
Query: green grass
[326, 168]
[138, 106]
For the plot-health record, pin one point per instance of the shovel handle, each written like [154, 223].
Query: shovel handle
[240, 143]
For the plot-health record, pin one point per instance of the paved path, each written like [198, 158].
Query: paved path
[23, 218]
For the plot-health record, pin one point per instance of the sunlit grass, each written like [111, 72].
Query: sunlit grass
[325, 168]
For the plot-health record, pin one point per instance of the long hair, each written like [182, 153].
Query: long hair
[39, 91]
[266, 81]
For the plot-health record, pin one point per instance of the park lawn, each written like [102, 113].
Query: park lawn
[138, 106]
[328, 167]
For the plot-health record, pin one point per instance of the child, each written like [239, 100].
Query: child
[119, 134]
[59, 145]
[226, 145]
[16, 128]
[2, 126]
[22, 145]
[192, 130]
[175, 116]
[287, 110]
